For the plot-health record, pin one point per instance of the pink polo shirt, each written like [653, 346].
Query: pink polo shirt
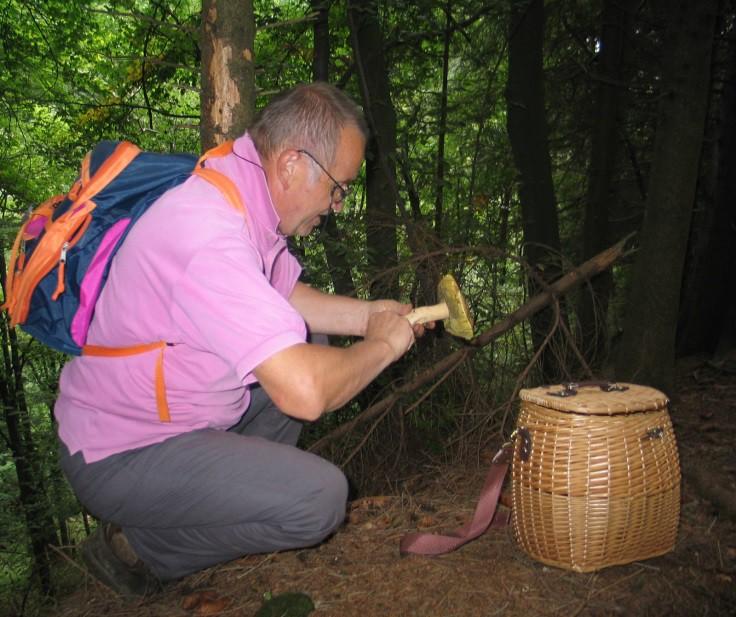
[193, 273]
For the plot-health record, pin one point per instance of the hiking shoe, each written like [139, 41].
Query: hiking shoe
[125, 574]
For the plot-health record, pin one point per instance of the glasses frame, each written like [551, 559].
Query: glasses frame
[342, 191]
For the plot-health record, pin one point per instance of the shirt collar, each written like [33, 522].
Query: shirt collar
[254, 177]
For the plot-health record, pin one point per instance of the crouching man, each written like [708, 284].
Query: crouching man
[216, 475]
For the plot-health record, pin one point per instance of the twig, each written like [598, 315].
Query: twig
[369, 432]
[425, 376]
[531, 363]
[576, 351]
[435, 385]
[258, 565]
[65, 556]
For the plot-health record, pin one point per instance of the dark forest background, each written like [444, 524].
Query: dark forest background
[512, 141]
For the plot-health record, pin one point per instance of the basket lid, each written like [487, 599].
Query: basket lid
[596, 398]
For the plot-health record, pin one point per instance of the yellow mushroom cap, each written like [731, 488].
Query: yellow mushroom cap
[460, 322]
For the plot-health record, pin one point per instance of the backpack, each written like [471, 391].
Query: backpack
[61, 256]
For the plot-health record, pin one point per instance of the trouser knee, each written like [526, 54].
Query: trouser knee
[327, 512]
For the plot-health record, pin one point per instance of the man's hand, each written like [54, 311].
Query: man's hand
[391, 328]
[399, 308]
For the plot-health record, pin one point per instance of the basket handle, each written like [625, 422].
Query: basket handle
[571, 388]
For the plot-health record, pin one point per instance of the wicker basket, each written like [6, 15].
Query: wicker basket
[596, 475]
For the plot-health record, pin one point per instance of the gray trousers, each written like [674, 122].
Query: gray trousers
[210, 496]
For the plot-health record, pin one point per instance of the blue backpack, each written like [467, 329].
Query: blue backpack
[61, 255]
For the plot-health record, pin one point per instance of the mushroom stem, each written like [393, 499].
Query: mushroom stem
[434, 312]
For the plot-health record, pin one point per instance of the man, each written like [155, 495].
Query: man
[219, 475]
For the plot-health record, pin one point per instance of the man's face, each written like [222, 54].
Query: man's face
[318, 187]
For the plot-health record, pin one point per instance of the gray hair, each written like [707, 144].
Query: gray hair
[309, 116]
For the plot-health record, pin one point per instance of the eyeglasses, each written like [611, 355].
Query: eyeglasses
[340, 192]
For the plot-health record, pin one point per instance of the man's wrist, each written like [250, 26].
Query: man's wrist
[390, 354]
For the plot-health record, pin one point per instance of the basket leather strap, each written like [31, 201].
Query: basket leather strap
[485, 515]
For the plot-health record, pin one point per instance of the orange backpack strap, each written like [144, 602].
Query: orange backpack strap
[225, 148]
[49, 250]
[121, 157]
[224, 184]
[83, 177]
[17, 253]
[162, 404]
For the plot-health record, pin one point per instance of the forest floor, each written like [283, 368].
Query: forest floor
[358, 572]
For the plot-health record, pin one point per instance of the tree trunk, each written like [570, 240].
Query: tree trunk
[381, 155]
[31, 486]
[442, 127]
[528, 134]
[648, 344]
[708, 288]
[334, 246]
[602, 192]
[228, 79]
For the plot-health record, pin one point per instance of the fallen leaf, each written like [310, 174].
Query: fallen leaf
[212, 607]
[376, 501]
[383, 522]
[194, 599]
[426, 521]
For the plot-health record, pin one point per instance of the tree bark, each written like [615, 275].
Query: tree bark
[708, 288]
[381, 191]
[31, 485]
[227, 96]
[602, 192]
[647, 350]
[528, 134]
[442, 128]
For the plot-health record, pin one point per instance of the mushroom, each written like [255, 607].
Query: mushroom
[451, 308]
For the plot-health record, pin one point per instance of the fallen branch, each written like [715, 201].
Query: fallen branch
[595, 265]
[445, 365]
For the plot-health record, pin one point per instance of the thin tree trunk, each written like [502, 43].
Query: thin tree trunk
[381, 157]
[528, 134]
[227, 96]
[602, 193]
[31, 486]
[442, 127]
[334, 246]
[648, 344]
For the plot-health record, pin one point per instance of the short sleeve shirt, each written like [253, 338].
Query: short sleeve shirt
[210, 282]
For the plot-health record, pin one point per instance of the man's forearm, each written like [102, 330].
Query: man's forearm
[330, 314]
[306, 380]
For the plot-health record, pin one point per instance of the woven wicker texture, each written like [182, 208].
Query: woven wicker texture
[593, 490]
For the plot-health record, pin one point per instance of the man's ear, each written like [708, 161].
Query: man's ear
[287, 167]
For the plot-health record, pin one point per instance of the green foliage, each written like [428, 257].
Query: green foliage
[289, 604]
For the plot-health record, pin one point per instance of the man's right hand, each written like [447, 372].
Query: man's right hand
[393, 329]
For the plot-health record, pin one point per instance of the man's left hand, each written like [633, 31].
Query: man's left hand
[401, 309]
